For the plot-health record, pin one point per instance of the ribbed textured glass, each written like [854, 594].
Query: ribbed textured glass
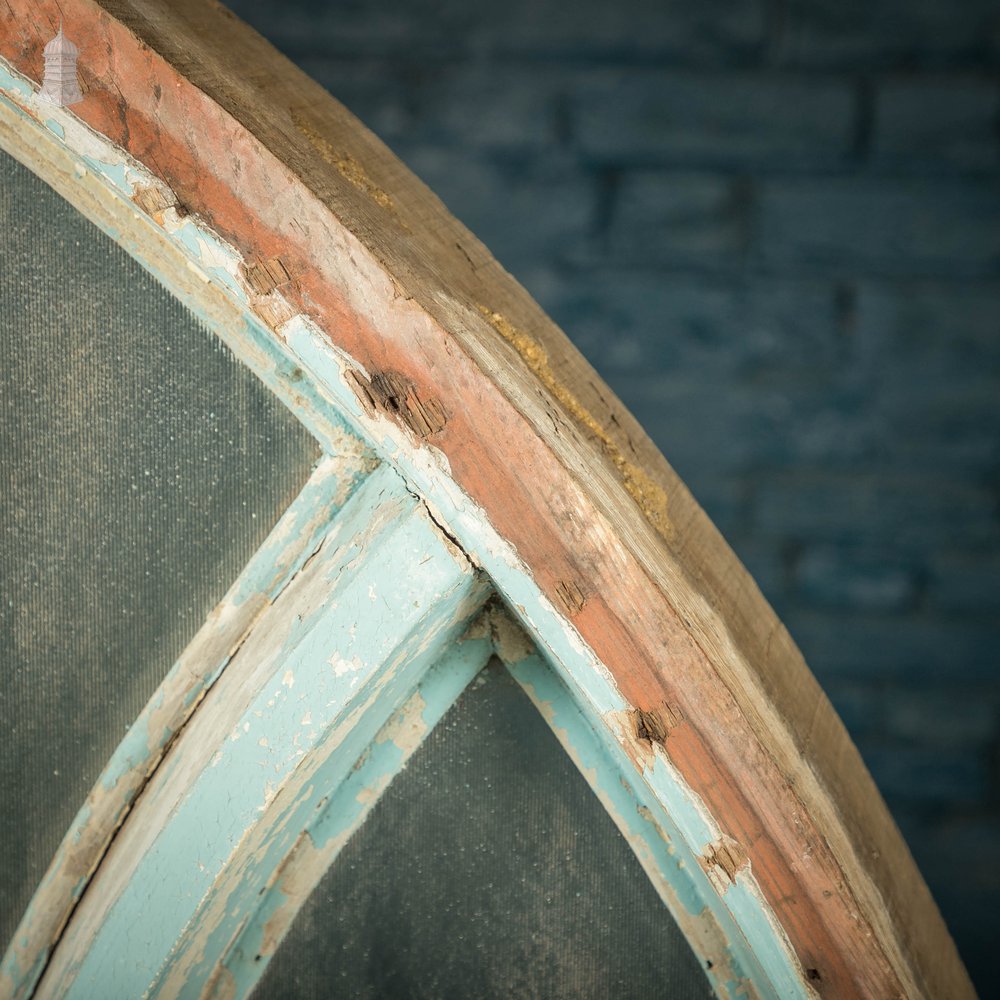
[488, 869]
[142, 465]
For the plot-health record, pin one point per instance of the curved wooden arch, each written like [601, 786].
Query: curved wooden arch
[516, 438]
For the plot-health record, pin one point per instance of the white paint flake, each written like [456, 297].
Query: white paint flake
[342, 666]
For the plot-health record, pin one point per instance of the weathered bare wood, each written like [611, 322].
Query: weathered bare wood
[560, 468]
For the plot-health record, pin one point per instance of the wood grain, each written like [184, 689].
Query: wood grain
[534, 436]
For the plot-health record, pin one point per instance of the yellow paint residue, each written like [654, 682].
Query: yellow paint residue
[345, 164]
[647, 493]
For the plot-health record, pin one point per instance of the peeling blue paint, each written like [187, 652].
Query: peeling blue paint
[115, 173]
[586, 679]
[212, 254]
[347, 804]
[336, 771]
[14, 84]
[274, 563]
[309, 377]
[773, 958]
[289, 544]
[306, 521]
[323, 672]
[580, 670]
[647, 825]
[246, 335]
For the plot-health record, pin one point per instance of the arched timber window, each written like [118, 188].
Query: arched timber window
[448, 683]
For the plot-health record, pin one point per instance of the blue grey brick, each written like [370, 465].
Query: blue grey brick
[373, 90]
[644, 321]
[763, 561]
[548, 285]
[687, 425]
[889, 33]
[648, 321]
[721, 496]
[935, 121]
[949, 430]
[967, 893]
[955, 849]
[479, 106]
[943, 715]
[857, 227]
[680, 218]
[865, 579]
[788, 329]
[524, 214]
[770, 426]
[943, 847]
[894, 649]
[964, 583]
[906, 512]
[929, 357]
[731, 377]
[859, 706]
[411, 29]
[650, 116]
[712, 32]
[927, 775]
[948, 330]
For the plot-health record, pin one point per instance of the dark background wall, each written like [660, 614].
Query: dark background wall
[774, 228]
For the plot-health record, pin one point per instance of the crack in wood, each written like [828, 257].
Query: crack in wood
[724, 859]
[571, 596]
[449, 539]
[654, 725]
[264, 276]
[397, 396]
[152, 200]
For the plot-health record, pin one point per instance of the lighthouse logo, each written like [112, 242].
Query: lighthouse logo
[60, 85]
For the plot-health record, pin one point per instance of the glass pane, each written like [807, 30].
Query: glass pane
[487, 869]
[142, 466]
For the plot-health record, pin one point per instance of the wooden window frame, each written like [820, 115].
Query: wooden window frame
[458, 426]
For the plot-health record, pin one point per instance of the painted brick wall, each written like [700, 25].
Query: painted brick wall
[774, 227]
